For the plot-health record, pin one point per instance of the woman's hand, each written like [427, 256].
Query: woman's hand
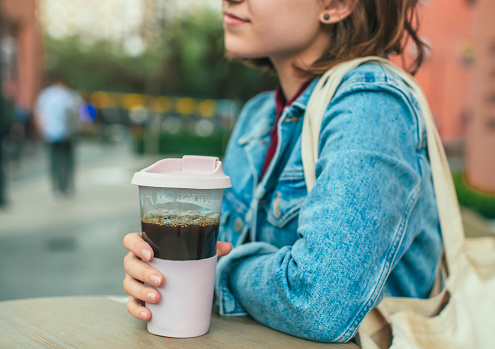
[137, 272]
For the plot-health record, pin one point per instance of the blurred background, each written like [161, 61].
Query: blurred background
[148, 79]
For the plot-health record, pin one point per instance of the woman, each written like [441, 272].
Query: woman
[314, 264]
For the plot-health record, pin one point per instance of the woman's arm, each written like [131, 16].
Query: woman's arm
[352, 226]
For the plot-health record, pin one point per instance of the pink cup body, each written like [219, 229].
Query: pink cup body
[184, 309]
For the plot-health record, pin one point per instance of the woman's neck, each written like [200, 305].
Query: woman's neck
[290, 80]
[289, 77]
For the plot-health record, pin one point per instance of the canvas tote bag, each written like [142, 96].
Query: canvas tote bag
[462, 314]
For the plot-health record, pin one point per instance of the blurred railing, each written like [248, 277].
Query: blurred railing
[163, 124]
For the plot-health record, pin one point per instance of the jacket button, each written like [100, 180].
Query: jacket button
[238, 225]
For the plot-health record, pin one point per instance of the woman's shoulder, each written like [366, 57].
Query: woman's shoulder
[370, 72]
[377, 77]
[376, 91]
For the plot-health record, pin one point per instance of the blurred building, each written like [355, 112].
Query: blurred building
[458, 77]
[447, 26]
[22, 51]
[132, 24]
[480, 160]
[155, 17]
[115, 20]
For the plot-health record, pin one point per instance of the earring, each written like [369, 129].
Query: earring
[326, 17]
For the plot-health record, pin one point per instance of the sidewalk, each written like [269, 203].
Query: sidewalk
[69, 246]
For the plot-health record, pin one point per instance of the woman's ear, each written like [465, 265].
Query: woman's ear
[333, 11]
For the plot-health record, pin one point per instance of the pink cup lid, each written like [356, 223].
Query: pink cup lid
[190, 172]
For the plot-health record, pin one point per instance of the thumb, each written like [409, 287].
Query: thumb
[223, 248]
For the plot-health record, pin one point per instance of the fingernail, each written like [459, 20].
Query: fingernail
[146, 254]
[143, 315]
[151, 296]
[155, 280]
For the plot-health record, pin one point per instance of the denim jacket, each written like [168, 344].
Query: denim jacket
[318, 262]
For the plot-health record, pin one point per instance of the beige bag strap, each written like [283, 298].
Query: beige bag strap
[448, 207]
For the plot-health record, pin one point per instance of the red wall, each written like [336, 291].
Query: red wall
[480, 159]
[445, 78]
[22, 18]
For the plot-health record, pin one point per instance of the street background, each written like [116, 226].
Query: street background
[57, 246]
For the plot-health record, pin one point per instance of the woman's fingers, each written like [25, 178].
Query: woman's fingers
[135, 243]
[136, 308]
[223, 248]
[141, 271]
[139, 291]
[138, 272]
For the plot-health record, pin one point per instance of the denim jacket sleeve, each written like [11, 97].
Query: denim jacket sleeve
[351, 228]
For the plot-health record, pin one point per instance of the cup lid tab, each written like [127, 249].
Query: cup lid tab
[190, 172]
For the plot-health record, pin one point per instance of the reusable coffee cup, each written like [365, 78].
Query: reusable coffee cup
[181, 201]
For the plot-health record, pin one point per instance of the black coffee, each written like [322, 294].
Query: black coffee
[181, 237]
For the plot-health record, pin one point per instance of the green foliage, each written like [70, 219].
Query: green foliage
[187, 143]
[480, 202]
[188, 60]
[95, 66]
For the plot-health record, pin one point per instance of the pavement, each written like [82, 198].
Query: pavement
[52, 246]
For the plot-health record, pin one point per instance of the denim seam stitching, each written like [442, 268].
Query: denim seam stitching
[420, 123]
[288, 178]
[292, 173]
[411, 202]
[235, 314]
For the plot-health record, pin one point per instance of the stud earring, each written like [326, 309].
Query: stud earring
[326, 16]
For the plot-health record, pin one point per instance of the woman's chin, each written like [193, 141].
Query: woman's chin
[243, 54]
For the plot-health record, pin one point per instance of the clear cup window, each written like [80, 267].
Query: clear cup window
[181, 224]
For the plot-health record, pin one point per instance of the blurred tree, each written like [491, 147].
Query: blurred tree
[189, 60]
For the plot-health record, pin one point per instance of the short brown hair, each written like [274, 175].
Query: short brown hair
[375, 27]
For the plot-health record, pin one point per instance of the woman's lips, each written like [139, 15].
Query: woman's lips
[233, 20]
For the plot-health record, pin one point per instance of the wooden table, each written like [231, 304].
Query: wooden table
[103, 322]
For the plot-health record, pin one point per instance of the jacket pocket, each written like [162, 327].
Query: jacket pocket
[287, 198]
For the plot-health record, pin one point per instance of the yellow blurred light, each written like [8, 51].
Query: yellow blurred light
[206, 108]
[161, 104]
[133, 101]
[101, 99]
[185, 105]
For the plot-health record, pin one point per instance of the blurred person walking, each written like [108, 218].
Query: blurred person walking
[4, 130]
[56, 118]
[20, 117]
[18, 134]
